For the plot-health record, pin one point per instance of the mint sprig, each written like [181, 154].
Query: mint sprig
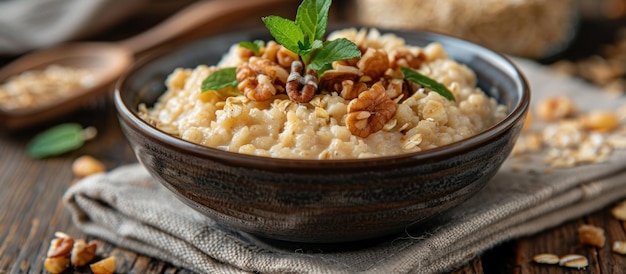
[427, 82]
[304, 35]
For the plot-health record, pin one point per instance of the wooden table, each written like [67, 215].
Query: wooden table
[31, 210]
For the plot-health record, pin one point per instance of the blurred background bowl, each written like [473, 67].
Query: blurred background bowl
[320, 201]
[528, 28]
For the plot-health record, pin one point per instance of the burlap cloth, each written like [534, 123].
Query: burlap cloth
[128, 208]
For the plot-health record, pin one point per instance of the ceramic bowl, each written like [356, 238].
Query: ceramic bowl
[321, 201]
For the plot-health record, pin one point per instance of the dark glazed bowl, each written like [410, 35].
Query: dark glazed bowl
[321, 201]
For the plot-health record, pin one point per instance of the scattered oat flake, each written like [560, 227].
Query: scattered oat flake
[546, 258]
[572, 138]
[619, 247]
[574, 261]
[619, 211]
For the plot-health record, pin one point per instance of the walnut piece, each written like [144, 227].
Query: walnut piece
[591, 235]
[351, 90]
[56, 264]
[555, 108]
[87, 165]
[83, 252]
[260, 78]
[60, 246]
[374, 63]
[104, 266]
[600, 120]
[397, 89]
[332, 80]
[370, 111]
[65, 251]
[59, 253]
[264, 66]
[279, 54]
[405, 58]
[300, 88]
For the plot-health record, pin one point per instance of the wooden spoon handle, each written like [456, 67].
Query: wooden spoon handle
[213, 14]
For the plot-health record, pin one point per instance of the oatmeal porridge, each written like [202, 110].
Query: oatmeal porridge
[358, 108]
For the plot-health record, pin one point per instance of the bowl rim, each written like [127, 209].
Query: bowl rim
[517, 112]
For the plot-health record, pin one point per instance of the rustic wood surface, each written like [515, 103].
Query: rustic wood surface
[31, 210]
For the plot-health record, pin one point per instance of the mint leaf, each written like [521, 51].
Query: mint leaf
[220, 79]
[339, 49]
[253, 46]
[226, 92]
[312, 18]
[317, 44]
[324, 68]
[426, 82]
[285, 32]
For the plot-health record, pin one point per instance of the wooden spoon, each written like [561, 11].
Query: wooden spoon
[109, 60]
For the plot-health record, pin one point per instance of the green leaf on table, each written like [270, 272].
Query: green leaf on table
[58, 140]
[427, 82]
[220, 79]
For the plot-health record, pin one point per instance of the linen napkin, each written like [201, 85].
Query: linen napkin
[128, 208]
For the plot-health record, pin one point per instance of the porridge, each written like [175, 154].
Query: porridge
[358, 108]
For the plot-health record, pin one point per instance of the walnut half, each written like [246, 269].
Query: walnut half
[300, 88]
[370, 111]
[260, 78]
